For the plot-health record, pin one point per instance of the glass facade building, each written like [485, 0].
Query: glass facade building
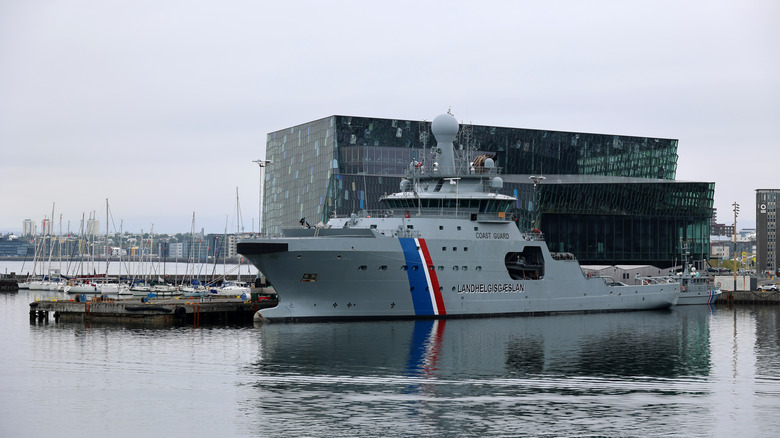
[609, 199]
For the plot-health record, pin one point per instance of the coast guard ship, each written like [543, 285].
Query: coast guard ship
[446, 245]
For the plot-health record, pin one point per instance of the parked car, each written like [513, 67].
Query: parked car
[767, 287]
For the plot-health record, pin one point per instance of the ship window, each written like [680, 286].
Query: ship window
[454, 248]
[410, 227]
[444, 248]
[465, 248]
[455, 268]
[441, 268]
[415, 267]
[404, 268]
[373, 226]
[458, 227]
[478, 268]
[309, 278]
[362, 267]
[441, 227]
[465, 268]
[383, 268]
[476, 228]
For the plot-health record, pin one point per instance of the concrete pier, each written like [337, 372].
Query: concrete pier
[8, 283]
[152, 312]
[749, 297]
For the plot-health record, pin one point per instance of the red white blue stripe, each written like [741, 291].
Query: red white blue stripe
[423, 282]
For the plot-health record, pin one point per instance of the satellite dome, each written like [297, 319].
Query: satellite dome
[497, 183]
[445, 128]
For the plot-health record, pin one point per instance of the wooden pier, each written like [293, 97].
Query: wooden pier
[151, 312]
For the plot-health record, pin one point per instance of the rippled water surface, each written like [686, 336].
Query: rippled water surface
[692, 371]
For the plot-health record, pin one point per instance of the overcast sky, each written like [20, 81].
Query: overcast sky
[160, 106]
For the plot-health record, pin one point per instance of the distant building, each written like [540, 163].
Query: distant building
[12, 246]
[178, 250]
[29, 228]
[717, 229]
[609, 199]
[93, 227]
[767, 247]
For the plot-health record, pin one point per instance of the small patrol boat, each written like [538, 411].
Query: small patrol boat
[695, 288]
[445, 245]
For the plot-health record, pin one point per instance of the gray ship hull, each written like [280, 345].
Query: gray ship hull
[375, 276]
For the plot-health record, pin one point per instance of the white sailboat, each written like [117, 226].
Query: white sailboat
[234, 288]
[111, 287]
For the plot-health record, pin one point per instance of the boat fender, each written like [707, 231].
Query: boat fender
[145, 299]
[180, 312]
[81, 298]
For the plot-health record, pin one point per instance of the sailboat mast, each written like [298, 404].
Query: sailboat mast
[108, 250]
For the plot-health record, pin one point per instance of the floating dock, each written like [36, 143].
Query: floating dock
[151, 312]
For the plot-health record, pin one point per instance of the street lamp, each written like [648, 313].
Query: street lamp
[262, 164]
[736, 210]
[537, 180]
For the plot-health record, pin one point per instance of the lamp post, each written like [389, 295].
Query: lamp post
[262, 164]
[537, 180]
[736, 210]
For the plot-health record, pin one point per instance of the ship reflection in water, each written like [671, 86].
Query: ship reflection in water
[612, 374]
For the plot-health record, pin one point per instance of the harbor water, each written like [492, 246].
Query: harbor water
[689, 371]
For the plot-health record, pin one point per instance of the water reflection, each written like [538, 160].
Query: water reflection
[483, 376]
[662, 344]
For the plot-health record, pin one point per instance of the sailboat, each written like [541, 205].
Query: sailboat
[234, 288]
[111, 287]
[83, 282]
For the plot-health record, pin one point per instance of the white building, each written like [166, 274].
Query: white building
[29, 228]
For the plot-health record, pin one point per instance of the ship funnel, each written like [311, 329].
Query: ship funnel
[445, 128]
